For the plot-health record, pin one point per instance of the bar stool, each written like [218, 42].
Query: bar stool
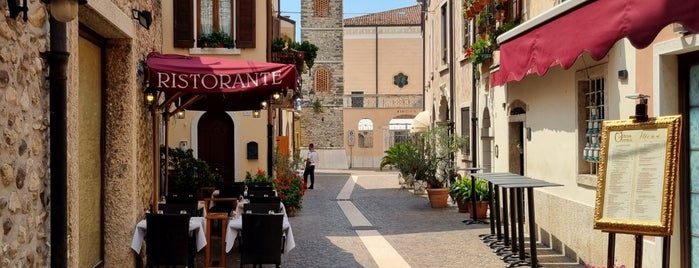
[211, 217]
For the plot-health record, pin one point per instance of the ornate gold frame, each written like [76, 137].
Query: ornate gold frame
[663, 227]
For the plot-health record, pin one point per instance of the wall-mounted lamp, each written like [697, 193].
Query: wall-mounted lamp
[145, 18]
[180, 114]
[623, 74]
[256, 113]
[276, 95]
[263, 104]
[15, 9]
[148, 96]
[641, 107]
[63, 10]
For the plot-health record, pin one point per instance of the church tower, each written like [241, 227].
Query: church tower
[321, 116]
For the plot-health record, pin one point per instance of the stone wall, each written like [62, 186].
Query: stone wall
[24, 151]
[24, 128]
[323, 129]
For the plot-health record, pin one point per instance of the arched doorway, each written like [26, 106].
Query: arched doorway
[516, 142]
[486, 142]
[215, 143]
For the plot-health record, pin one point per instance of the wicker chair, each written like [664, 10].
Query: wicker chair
[167, 240]
[261, 239]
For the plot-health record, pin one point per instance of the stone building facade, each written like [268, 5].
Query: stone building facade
[321, 24]
[108, 156]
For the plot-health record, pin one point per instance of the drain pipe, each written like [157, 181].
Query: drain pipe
[57, 59]
[424, 61]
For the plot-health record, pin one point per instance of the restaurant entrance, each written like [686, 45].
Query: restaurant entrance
[216, 144]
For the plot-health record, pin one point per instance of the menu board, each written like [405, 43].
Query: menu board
[637, 175]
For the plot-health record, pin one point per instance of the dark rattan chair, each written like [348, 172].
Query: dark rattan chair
[262, 207]
[167, 240]
[261, 239]
[261, 193]
[176, 203]
[269, 199]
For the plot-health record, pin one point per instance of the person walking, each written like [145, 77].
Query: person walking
[311, 160]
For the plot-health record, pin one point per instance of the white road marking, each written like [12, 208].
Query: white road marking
[381, 251]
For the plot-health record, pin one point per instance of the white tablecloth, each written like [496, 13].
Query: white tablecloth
[196, 227]
[235, 225]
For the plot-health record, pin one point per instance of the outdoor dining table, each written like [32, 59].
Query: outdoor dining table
[516, 184]
[235, 225]
[196, 228]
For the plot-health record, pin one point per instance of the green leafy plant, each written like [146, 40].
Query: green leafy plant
[188, 173]
[259, 177]
[216, 39]
[286, 49]
[482, 191]
[317, 106]
[480, 51]
[461, 189]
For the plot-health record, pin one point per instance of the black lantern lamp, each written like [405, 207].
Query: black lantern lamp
[148, 96]
[63, 10]
[145, 18]
[15, 9]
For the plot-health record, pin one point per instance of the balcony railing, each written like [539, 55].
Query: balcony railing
[382, 101]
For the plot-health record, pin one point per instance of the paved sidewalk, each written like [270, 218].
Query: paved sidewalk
[420, 235]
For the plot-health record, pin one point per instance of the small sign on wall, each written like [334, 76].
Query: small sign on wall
[252, 150]
[184, 145]
[350, 138]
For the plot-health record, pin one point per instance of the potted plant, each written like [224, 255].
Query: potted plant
[187, 174]
[437, 147]
[288, 51]
[460, 192]
[215, 39]
[482, 198]
[287, 182]
[397, 156]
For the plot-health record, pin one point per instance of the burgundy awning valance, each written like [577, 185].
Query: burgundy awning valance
[594, 28]
[219, 83]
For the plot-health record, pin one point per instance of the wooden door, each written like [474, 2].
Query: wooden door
[215, 143]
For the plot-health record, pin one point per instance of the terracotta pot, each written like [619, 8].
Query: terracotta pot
[438, 197]
[481, 209]
[463, 205]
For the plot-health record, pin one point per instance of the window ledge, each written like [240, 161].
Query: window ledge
[214, 51]
[587, 180]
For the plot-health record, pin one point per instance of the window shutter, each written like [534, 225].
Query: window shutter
[183, 26]
[245, 24]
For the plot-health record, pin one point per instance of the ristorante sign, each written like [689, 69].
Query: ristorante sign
[216, 75]
[218, 82]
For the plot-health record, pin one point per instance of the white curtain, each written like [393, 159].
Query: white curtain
[224, 15]
[207, 16]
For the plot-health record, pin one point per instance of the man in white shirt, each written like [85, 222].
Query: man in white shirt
[311, 160]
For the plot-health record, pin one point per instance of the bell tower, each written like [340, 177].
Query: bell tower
[321, 116]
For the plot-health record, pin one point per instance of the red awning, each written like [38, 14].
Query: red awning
[220, 84]
[594, 28]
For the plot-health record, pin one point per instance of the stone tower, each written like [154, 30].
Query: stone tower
[321, 116]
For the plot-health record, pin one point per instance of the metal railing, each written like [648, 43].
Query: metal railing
[382, 101]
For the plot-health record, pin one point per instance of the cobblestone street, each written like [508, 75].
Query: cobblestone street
[416, 235]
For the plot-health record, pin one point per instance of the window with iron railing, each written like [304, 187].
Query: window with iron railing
[592, 111]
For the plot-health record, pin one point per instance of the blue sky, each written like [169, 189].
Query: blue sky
[352, 8]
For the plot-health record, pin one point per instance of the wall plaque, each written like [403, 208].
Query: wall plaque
[637, 176]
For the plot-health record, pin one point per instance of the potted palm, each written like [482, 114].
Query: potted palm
[438, 146]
